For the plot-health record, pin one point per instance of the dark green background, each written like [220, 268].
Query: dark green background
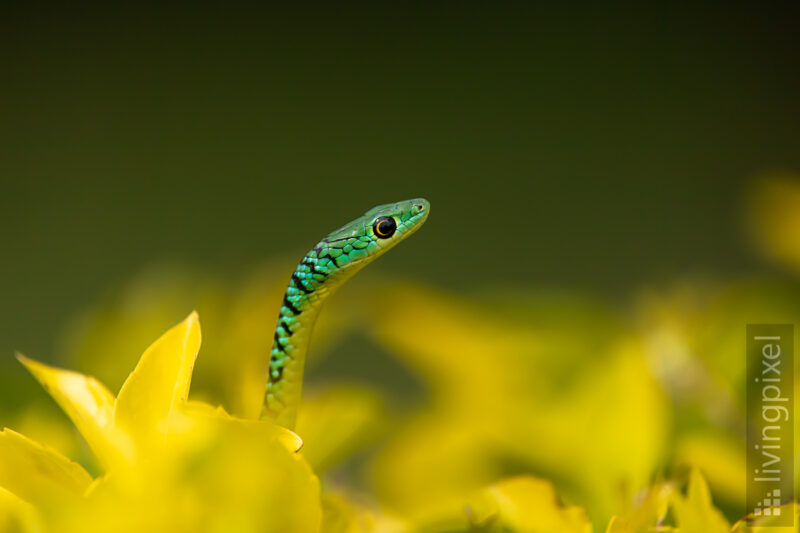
[599, 149]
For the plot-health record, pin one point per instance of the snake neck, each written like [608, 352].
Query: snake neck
[314, 279]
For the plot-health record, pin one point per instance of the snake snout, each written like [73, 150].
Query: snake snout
[419, 205]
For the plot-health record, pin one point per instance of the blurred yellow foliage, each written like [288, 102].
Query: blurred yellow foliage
[543, 413]
[602, 435]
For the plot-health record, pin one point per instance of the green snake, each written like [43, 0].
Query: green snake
[324, 268]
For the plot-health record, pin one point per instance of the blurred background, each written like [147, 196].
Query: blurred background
[600, 174]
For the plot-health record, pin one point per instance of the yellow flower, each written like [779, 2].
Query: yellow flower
[169, 464]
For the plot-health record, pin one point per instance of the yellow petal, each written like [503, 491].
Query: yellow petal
[36, 473]
[695, 512]
[266, 428]
[213, 473]
[648, 510]
[160, 382]
[17, 515]
[89, 405]
[529, 505]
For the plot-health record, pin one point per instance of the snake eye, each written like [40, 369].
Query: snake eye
[384, 227]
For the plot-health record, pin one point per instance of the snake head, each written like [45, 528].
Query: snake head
[375, 232]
